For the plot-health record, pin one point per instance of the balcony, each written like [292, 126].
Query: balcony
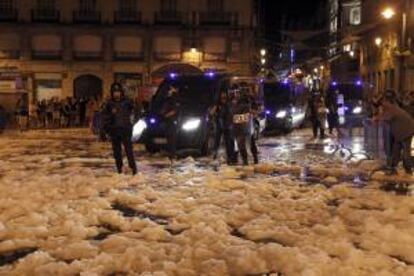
[8, 15]
[88, 55]
[218, 18]
[45, 16]
[128, 56]
[168, 18]
[87, 17]
[128, 17]
[9, 54]
[167, 57]
[47, 55]
[215, 57]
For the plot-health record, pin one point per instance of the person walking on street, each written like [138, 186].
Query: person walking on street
[224, 123]
[82, 104]
[241, 118]
[402, 130]
[49, 113]
[117, 123]
[22, 112]
[170, 112]
[33, 121]
[255, 109]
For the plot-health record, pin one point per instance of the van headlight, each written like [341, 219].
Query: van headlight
[281, 114]
[191, 124]
[357, 110]
[138, 129]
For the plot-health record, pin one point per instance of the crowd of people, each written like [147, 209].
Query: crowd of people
[235, 119]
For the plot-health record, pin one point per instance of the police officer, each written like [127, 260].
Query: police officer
[255, 108]
[241, 118]
[170, 113]
[224, 124]
[116, 116]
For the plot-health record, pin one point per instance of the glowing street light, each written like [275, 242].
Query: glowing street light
[193, 50]
[316, 70]
[263, 61]
[378, 41]
[388, 13]
[263, 52]
[322, 67]
[352, 54]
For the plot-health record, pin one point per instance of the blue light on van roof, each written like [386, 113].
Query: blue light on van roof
[210, 74]
[358, 83]
[173, 75]
[153, 121]
[334, 83]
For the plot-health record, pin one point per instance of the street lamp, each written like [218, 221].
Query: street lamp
[352, 54]
[388, 13]
[263, 61]
[263, 52]
[378, 41]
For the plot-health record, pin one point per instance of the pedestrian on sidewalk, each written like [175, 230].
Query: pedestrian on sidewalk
[402, 130]
[117, 123]
[170, 112]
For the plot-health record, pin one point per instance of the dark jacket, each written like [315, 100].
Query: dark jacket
[116, 115]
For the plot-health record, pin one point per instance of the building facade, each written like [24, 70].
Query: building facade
[369, 47]
[61, 48]
[345, 17]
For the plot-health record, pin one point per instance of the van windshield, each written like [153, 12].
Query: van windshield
[194, 91]
[277, 94]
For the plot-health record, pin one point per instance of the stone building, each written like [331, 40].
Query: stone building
[367, 46]
[79, 47]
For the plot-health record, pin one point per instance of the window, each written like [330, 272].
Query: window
[355, 16]
[45, 4]
[6, 5]
[215, 5]
[87, 5]
[128, 5]
[168, 5]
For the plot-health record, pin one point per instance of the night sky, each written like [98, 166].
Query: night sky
[294, 15]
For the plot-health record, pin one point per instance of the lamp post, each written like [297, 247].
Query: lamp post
[388, 14]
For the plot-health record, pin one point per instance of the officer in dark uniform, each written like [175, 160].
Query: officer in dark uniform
[170, 113]
[255, 109]
[241, 117]
[116, 118]
[224, 123]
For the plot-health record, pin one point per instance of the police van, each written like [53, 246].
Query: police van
[197, 94]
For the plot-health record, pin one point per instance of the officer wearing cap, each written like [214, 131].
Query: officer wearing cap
[117, 124]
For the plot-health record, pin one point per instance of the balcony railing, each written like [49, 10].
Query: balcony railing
[88, 55]
[8, 15]
[168, 18]
[167, 56]
[127, 17]
[9, 54]
[45, 16]
[47, 55]
[87, 17]
[215, 56]
[128, 56]
[218, 18]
